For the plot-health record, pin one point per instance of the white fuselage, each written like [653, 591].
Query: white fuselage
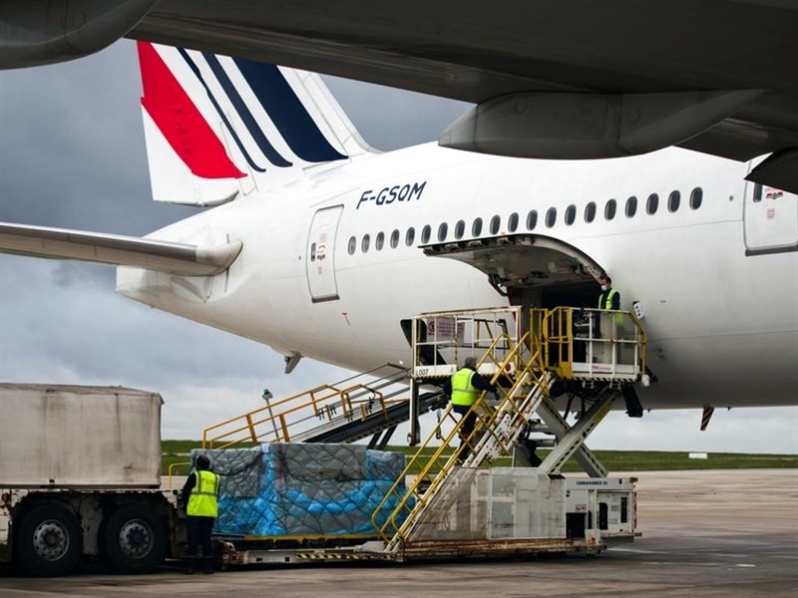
[722, 325]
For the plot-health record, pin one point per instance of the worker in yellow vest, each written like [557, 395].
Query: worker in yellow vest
[609, 298]
[464, 388]
[199, 497]
[607, 326]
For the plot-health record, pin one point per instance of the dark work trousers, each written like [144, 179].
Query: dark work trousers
[466, 428]
[199, 534]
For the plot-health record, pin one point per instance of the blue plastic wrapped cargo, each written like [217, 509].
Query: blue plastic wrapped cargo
[303, 489]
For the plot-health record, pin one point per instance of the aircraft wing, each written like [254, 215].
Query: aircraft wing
[174, 258]
[480, 52]
[717, 76]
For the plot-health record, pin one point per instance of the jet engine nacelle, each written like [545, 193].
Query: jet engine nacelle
[36, 32]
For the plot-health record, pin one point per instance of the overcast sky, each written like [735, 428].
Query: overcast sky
[72, 155]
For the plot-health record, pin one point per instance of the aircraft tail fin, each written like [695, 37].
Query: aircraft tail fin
[218, 127]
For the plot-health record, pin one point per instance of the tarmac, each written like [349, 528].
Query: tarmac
[714, 533]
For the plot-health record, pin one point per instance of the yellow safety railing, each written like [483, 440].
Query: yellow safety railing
[442, 339]
[427, 470]
[172, 467]
[577, 345]
[279, 420]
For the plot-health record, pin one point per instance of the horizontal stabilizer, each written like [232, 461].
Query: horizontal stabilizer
[163, 256]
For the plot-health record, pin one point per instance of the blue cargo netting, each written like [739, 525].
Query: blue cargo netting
[303, 489]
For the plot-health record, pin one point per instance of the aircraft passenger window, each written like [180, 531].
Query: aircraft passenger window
[551, 217]
[570, 214]
[476, 228]
[443, 230]
[495, 223]
[379, 241]
[609, 209]
[410, 236]
[425, 234]
[673, 201]
[590, 212]
[512, 222]
[695, 198]
[652, 204]
[352, 245]
[631, 206]
[394, 239]
[532, 220]
[459, 229]
[757, 193]
[364, 243]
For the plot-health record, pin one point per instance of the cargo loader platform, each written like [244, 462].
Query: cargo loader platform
[441, 507]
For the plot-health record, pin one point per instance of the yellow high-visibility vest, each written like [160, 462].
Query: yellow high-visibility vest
[605, 301]
[202, 502]
[463, 393]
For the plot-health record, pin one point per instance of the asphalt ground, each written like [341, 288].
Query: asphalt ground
[705, 533]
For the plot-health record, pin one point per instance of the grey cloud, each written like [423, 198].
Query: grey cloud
[86, 276]
[99, 333]
[72, 147]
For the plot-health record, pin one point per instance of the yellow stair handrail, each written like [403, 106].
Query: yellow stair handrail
[434, 469]
[273, 422]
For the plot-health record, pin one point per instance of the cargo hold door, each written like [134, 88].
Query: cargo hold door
[530, 269]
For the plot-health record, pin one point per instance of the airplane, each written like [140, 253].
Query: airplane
[320, 247]
[570, 79]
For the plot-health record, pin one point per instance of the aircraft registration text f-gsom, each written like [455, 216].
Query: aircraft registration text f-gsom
[388, 195]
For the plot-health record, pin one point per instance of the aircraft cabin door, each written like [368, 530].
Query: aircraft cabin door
[770, 220]
[320, 260]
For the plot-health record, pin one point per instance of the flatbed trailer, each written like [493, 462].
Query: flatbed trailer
[508, 512]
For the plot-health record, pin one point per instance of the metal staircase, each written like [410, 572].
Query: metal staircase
[368, 404]
[524, 367]
[379, 423]
[434, 471]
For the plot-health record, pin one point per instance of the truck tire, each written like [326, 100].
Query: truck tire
[50, 540]
[134, 539]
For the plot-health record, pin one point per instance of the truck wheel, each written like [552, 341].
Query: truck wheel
[50, 540]
[134, 539]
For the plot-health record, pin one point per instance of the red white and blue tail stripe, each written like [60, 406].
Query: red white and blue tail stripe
[220, 127]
